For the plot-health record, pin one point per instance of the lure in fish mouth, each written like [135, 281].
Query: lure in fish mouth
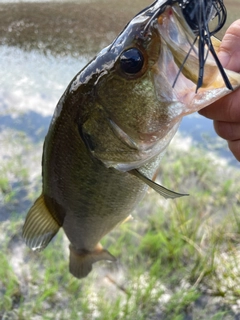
[116, 118]
[198, 14]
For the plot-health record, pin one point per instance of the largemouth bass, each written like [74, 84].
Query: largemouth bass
[116, 118]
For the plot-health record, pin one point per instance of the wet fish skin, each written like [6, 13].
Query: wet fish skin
[110, 129]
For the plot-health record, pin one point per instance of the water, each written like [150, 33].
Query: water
[30, 86]
[202, 134]
[32, 83]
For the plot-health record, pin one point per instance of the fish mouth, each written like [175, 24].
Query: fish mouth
[195, 16]
[188, 80]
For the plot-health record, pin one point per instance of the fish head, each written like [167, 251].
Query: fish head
[161, 67]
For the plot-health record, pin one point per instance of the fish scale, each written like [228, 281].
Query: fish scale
[114, 122]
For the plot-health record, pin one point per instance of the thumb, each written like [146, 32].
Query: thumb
[229, 53]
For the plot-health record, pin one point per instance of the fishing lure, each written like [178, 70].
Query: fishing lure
[198, 14]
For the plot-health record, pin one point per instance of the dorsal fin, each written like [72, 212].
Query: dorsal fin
[40, 226]
[166, 193]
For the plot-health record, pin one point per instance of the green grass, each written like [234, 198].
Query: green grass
[176, 259]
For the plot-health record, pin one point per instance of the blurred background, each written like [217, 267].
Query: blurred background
[187, 249]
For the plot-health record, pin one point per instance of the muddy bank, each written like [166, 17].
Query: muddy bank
[65, 28]
[81, 28]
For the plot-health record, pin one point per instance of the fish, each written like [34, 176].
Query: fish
[116, 118]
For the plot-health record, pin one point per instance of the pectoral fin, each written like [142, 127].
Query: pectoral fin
[81, 261]
[166, 193]
[40, 227]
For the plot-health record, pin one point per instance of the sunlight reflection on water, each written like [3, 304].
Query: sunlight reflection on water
[33, 81]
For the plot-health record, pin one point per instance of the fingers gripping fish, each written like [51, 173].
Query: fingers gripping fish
[116, 118]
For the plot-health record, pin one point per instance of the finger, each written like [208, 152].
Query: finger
[229, 53]
[226, 109]
[227, 130]
[234, 146]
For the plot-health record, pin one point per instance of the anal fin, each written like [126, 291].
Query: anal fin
[40, 226]
[81, 261]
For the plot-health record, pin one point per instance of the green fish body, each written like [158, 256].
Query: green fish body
[111, 128]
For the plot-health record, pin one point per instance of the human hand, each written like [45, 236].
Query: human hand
[225, 112]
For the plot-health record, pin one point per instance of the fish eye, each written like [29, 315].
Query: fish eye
[131, 61]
